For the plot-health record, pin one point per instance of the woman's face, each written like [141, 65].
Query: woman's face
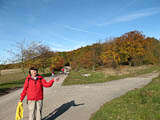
[33, 73]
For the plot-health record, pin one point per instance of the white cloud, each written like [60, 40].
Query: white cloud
[60, 49]
[81, 30]
[133, 16]
[47, 1]
[64, 47]
[57, 47]
[67, 39]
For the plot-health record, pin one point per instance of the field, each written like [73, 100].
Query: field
[11, 75]
[12, 79]
[10, 71]
[106, 74]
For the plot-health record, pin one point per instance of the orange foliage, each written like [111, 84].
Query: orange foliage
[124, 48]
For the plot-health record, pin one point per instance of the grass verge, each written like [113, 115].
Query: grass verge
[140, 104]
[98, 77]
[10, 86]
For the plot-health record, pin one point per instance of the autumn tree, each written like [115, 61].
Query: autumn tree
[152, 48]
[2, 65]
[125, 49]
[130, 46]
[110, 56]
[38, 55]
[57, 62]
[43, 58]
[81, 58]
[64, 56]
[95, 53]
[19, 54]
[34, 54]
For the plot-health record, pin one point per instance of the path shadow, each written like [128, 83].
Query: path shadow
[59, 111]
[4, 91]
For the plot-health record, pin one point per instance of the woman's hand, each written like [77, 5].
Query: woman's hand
[56, 79]
[19, 101]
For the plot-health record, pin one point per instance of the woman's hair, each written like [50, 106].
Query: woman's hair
[33, 68]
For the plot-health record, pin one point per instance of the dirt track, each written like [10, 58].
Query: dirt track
[75, 102]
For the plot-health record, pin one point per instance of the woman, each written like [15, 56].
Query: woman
[33, 88]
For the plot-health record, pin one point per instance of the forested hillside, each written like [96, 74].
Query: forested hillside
[132, 48]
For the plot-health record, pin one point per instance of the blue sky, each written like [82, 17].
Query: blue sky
[65, 25]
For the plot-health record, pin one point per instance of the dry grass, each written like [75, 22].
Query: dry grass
[121, 70]
[11, 76]
[12, 79]
[107, 74]
[10, 71]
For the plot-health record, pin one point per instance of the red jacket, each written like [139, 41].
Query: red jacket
[34, 89]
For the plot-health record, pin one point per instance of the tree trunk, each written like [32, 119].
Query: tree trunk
[23, 70]
[93, 67]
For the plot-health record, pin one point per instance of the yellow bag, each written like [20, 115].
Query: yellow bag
[19, 112]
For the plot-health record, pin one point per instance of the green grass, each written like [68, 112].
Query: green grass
[6, 87]
[12, 81]
[140, 104]
[98, 77]
[78, 78]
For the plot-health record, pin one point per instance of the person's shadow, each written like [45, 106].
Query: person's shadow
[63, 108]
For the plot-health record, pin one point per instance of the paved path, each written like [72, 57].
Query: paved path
[75, 102]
